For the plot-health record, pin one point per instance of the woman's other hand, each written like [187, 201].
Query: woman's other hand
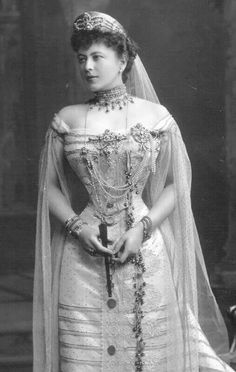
[89, 239]
[128, 245]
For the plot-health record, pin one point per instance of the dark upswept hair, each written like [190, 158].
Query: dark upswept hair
[122, 44]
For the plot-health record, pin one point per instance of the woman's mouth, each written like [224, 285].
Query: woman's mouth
[91, 78]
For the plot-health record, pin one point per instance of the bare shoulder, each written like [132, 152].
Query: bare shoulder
[154, 111]
[155, 108]
[73, 115]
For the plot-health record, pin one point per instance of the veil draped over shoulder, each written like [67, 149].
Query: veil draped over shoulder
[196, 301]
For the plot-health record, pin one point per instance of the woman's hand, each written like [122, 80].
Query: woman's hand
[128, 245]
[89, 239]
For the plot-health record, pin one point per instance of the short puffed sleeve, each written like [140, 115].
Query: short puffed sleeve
[59, 126]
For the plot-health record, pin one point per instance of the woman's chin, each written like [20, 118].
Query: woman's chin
[93, 87]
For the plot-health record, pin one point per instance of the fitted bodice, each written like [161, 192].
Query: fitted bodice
[113, 166]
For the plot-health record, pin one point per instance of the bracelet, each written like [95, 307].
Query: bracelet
[70, 222]
[74, 225]
[147, 227]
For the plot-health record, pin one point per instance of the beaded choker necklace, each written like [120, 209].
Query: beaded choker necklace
[110, 99]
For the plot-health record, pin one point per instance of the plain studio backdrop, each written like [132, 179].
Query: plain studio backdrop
[186, 47]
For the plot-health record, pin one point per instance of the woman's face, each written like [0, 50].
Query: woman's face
[100, 67]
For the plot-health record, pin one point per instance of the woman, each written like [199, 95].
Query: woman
[122, 286]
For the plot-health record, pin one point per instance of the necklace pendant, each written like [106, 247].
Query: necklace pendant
[109, 100]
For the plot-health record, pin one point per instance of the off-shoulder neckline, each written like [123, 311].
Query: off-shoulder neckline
[86, 131]
[89, 132]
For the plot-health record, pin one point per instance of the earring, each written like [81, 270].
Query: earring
[120, 70]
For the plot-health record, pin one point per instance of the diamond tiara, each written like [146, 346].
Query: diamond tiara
[97, 21]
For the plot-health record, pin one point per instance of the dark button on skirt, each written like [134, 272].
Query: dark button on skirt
[111, 303]
[111, 350]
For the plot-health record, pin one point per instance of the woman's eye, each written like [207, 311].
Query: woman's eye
[81, 60]
[96, 57]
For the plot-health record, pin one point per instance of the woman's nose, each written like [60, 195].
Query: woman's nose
[89, 64]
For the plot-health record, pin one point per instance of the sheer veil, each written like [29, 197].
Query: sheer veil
[196, 301]
[139, 84]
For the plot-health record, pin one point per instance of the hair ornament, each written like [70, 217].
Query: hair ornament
[89, 21]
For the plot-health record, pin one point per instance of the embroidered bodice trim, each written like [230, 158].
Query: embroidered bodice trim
[109, 141]
[141, 135]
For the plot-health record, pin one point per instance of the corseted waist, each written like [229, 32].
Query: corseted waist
[115, 212]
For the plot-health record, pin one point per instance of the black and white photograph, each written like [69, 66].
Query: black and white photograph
[118, 186]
